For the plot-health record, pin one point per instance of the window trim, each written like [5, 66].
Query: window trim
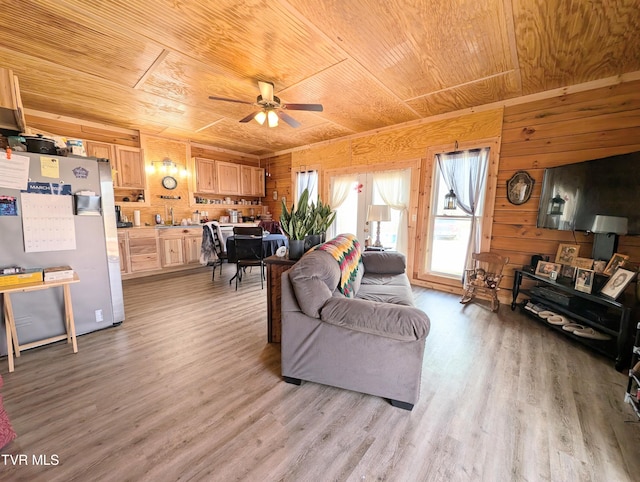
[424, 219]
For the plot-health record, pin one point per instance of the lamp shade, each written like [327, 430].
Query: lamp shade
[379, 212]
[609, 224]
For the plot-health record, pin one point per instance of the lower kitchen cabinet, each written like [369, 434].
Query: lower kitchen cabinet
[193, 246]
[143, 250]
[180, 246]
[172, 251]
[149, 250]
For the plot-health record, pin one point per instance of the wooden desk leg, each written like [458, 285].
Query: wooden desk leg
[9, 306]
[71, 326]
[8, 324]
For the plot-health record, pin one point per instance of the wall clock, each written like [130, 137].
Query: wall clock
[169, 182]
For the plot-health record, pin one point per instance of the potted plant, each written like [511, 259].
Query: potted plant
[297, 224]
[324, 217]
[321, 218]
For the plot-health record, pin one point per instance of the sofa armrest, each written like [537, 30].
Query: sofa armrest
[384, 262]
[399, 322]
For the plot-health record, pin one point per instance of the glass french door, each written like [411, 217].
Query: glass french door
[352, 214]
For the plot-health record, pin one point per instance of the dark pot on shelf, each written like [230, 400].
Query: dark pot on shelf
[41, 145]
[296, 248]
[312, 240]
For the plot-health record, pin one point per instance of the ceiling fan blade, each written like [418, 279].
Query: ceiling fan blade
[288, 119]
[311, 107]
[266, 90]
[229, 100]
[250, 117]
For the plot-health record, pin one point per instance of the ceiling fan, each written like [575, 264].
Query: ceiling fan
[271, 108]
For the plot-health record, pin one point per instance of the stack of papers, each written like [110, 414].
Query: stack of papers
[58, 273]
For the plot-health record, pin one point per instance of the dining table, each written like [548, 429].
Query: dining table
[270, 244]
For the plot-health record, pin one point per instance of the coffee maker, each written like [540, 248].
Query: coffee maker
[119, 219]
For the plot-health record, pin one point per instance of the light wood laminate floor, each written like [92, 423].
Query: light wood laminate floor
[188, 389]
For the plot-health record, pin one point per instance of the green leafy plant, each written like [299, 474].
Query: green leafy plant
[297, 222]
[323, 217]
[306, 218]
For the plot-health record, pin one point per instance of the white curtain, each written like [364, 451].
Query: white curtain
[307, 180]
[340, 187]
[394, 188]
[466, 173]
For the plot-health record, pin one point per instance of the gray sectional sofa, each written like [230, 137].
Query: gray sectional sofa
[372, 343]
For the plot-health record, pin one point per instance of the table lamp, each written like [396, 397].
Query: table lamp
[378, 213]
[606, 230]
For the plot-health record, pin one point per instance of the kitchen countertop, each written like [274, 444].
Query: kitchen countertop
[169, 226]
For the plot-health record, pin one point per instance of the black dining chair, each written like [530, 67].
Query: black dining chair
[249, 251]
[220, 253]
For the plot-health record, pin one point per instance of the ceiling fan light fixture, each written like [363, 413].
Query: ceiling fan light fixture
[272, 118]
[261, 117]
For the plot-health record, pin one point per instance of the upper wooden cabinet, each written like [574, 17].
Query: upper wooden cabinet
[228, 175]
[127, 162]
[11, 110]
[252, 181]
[219, 177]
[103, 150]
[130, 166]
[206, 176]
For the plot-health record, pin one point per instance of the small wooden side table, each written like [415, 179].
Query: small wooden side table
[275, 267]
[10, 323]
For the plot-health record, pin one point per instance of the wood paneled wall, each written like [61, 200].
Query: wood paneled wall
[552, 132]
[402, 147]
[278, 179]
[157, 149]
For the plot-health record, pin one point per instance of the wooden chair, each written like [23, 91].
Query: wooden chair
[484, 278]
[249, 251]
[220, 253]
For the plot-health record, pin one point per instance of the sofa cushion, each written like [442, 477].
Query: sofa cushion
[358, 279]
[399, 322]
[395, 294]
[314, 279]
[384, 262]
[345, 249]
[386, 280]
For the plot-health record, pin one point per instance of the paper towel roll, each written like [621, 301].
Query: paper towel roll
[136, 218]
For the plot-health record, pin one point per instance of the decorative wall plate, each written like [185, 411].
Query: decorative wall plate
[169, 182]
[519, 187]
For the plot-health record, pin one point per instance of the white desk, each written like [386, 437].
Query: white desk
[10, 323]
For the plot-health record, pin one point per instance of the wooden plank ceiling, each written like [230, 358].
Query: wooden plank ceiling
[151, 64]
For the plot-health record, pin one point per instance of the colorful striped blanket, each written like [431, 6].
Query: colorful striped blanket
[345, 248]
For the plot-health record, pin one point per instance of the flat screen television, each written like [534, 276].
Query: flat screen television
[609, 186]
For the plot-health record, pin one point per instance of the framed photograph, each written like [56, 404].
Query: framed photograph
[617, 283]
[599, 266]
[568, 271]
[545, 268]
[584, 280]
[616, 261]
[583, 263]
[519, 188]
[567, 253]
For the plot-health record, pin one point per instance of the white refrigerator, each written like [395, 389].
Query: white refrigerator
[90, 247]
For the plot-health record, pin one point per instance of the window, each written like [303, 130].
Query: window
[453, 235]
[307, 180]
